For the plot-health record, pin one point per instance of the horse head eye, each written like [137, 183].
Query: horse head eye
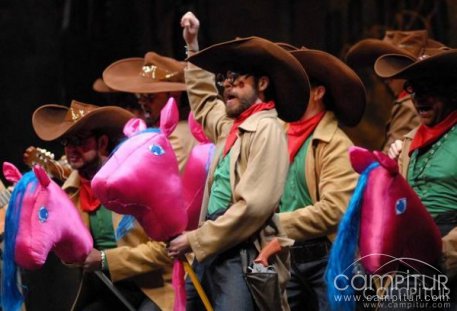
[43, 214]
[400, 206]
[156, 150]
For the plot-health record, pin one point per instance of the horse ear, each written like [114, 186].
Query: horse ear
[360, 158]
[11, 173]
[389, 164]
[134, 126]
[169, 117]
[196, 129]
[41, 175]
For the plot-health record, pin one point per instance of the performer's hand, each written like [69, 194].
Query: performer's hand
[191, 24]
[179, 246]
[395, 149]
[93, 261]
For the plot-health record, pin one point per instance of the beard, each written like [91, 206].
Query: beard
[236, 105]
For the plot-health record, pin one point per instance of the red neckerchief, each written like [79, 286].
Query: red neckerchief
[426, 136]
[299, 131]
[402, 95]
[88, 202]
[231, 138]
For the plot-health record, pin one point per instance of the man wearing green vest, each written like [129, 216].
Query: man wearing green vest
[260, 81]
[138, 267]
[428, 157]
[321, 179]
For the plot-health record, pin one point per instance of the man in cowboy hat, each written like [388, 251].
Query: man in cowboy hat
[260, 80]
[134, 263]
[153, 79]
[321, 179]
[403, 117]
[427, 157]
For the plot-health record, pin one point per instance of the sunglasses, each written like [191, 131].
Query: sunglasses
[418, 89]
[231, 78]
[75, 141]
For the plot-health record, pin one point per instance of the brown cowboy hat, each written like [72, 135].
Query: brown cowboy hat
[51, 122]
[290, 82]
[152, 74]
[344, 85]
[100, 86]
[409, 43]
[439, 63]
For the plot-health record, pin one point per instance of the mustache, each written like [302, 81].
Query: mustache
[229, 94]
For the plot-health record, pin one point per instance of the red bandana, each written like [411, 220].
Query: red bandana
[299, 131]
[88, 202]
[402, 95]
[426, 136]
[232, 136]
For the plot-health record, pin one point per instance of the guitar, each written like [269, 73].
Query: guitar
[59, 169]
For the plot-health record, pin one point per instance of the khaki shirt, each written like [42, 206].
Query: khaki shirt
[258, 169]
[182, 142]
[331, 181]
[137, 257]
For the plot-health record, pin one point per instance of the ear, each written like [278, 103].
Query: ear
[390, 165]
[134, 126]
[103, 142]
[41, 175]
[169, 117]
[319, 92]
[360, 158]
[263, 83]
[11, 172]
[196, 129]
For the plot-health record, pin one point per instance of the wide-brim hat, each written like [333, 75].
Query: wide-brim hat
[342, 83]
[408, 43]
[100, 86]
[152, 74]
[438, 63]
[289, 79]
[51, 122]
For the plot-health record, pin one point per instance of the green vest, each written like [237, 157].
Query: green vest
[433, 174]
[221, 192]
[101, 227]
[296, 193]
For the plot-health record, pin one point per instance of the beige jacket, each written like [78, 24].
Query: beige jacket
[331, 181]
[182, 142]
[403, 119]
[258, 169]
[137, 257]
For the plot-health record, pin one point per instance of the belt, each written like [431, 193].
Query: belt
[310, 250]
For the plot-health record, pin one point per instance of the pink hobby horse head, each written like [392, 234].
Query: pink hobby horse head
[40, 218]
[141, 178]
[386, 219]
[195, 172]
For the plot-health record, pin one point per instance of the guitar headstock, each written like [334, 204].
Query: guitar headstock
[59, 169]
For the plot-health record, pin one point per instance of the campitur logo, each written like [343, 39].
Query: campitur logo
[405, 284]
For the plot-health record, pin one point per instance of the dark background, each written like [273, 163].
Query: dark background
[52, 51]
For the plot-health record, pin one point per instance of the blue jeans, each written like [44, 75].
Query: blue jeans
[306, 289]
[222, 278]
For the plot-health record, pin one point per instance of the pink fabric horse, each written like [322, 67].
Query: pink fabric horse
[195, 172]
[142, 179]
[40, 218]
[386, 219]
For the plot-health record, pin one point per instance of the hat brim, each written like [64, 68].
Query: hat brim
[344, 85]
[124, 75]
[365, 52]
[50, 124]
[394, 66]
[290, 81]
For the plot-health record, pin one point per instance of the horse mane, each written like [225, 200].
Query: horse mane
[11, 295]
[344, 248]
